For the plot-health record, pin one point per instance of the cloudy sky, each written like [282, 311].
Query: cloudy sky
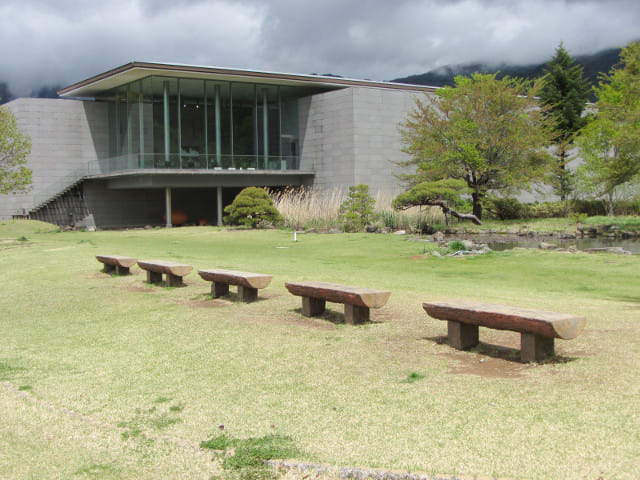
[59, 42]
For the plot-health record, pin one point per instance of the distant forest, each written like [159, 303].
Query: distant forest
[593, 65]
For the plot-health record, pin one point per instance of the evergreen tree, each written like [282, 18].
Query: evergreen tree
[564, 94]
[357, 208]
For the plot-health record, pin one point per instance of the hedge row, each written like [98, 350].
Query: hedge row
[511, 209]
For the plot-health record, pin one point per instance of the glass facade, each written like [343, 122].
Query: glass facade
[181, 123]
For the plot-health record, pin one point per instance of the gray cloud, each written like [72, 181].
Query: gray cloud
[66, 41]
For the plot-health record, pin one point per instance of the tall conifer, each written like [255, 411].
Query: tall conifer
[564, 94]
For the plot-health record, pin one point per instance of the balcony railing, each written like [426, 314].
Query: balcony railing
[187, 161]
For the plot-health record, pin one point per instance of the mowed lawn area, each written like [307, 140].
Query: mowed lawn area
[107, 376]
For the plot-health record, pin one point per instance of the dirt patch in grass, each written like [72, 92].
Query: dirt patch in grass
[138, 288]
[208, 303]
[469, 363]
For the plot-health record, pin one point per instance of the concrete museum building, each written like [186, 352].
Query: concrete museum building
[127, 146]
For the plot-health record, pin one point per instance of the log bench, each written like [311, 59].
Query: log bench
[117, 263]
[538, 329]
[174, 271]
[357, 301]
[248, 283]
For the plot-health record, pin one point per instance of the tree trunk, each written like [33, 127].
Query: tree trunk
[477, 204]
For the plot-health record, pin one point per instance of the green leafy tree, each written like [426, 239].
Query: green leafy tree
[486, 131]
[15, 177]
[252, 207]
[610, 143]
[440, 193]
[357, 208]
[565, 93]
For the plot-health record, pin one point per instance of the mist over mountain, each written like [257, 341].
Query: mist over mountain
[594, 65]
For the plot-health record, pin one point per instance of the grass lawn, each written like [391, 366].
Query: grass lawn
[108, 377]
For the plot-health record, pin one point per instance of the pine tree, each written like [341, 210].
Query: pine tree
[564, 94]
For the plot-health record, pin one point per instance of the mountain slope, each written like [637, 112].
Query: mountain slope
[594, 65]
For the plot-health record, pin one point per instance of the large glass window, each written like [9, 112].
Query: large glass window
[165, 122]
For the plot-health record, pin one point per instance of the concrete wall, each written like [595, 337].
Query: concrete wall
[352, 136]
[65, 136]
[326, 137]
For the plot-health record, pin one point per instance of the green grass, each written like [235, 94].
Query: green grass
[125, 380]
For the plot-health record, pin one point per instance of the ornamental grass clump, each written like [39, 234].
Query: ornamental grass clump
[304, 208]
[252, 207]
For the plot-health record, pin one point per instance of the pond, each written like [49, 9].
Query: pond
[498, 244]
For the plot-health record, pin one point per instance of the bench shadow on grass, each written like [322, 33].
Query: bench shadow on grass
[333, 316]
[500, 352]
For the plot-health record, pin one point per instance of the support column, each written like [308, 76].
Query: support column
[165, 106]
[219, 206]
[141, 149]
[218, 129]
[312, 306]
[534, 348]
[462, 335]
[265, 127]
[167, 206]
[354, 315]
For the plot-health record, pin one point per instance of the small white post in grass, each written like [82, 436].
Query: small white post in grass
[295, 235]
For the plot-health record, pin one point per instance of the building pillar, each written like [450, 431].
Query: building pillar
[219, 206]
[265, 127]
[167, 203]
[218, 128]
[165, 105]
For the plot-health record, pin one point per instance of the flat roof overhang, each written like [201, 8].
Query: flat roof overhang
[131, 72]
[170, 178]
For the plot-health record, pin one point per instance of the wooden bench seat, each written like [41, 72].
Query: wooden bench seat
[357, 300]
[248, 283]
[117, 263]
[174, 271]
[538, 329]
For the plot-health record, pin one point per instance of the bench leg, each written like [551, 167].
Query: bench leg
[354, 315]
[219, 289]
[312, 306]
[108, 268]
[154, 277]
[122, 270]
[247, 294]
[534, 348]
[174, 280]
[462, 335]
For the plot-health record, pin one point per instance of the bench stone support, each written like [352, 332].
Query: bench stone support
[219, 289]
[247, 294]
[119, 270]
[174, 280]
[354, 315]
[534, 348]
[122, 270]
[312, 306]
[154, 277]
[462, 336]
[108, 268]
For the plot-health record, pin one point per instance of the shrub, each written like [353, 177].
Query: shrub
[357, 208]
[252, 207]
[504, 208]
